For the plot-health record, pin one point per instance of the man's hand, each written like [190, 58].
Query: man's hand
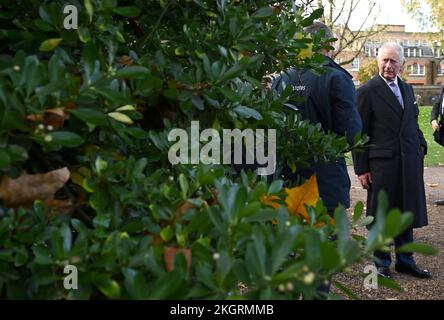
[365, 179]
[435, 125]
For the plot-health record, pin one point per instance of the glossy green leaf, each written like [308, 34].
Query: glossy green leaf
[89, 9]
[129, 12]
[133, 72]
[422, 248]
[66, 138]
[90, 115]
[247, 112]
[110, 288]
[5, 159]
[264, 12]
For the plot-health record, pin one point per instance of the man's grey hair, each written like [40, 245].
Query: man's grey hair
[317, 27]
[392, 45]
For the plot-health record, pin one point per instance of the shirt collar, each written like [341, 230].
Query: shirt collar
[388, 82]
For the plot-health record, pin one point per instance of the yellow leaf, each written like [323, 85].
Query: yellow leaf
[77, 178]
[304, 195]
[128, 107]
[305, 52]
[50, 44]
[79, 174]
[120, 117]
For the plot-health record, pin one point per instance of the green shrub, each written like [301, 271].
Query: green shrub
[101, 100]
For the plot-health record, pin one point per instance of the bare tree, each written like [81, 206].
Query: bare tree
[338, 15]
[429, 13]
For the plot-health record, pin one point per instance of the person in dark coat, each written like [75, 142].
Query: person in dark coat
[329, 99]
[394, 160]
[435, 117]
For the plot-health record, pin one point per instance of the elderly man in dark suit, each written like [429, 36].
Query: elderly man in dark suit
[436, 115]
[394, 160]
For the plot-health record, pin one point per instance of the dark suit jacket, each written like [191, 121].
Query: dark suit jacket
[436, 113]
[330, 101]
[396, 148]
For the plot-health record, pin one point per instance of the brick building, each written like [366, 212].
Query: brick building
[423, 53]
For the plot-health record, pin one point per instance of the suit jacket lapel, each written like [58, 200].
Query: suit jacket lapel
[384, 91]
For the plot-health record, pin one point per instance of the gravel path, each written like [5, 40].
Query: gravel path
[433, 234]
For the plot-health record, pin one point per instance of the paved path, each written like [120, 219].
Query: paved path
[432, 234]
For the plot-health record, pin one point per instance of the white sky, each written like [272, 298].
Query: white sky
[391, 12]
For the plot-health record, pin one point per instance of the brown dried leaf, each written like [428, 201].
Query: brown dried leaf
[29, 187]
[61, 207]
[55, 117]
[170, 253]
[432, 185]
[70, 105]
[34, 117]
[125, 60]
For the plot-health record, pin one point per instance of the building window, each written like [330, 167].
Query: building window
[425, 43]
[355, 64]
[417, 69]
[367, 52]
[439, 70]
[417, 43]
[376, 52]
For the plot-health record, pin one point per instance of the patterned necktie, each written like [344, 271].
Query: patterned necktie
[397, 93]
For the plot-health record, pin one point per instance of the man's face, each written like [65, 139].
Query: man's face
[389, 63]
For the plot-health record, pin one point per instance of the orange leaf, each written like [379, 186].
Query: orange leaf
[304, 195]
[270, 201]
[34, 117]
[170, 253]
[184, 207]
[29, 187]
[320, 224]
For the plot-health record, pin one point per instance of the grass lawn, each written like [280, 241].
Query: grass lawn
[435, 153]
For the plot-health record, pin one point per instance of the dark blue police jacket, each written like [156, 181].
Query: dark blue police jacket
[330, 99]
